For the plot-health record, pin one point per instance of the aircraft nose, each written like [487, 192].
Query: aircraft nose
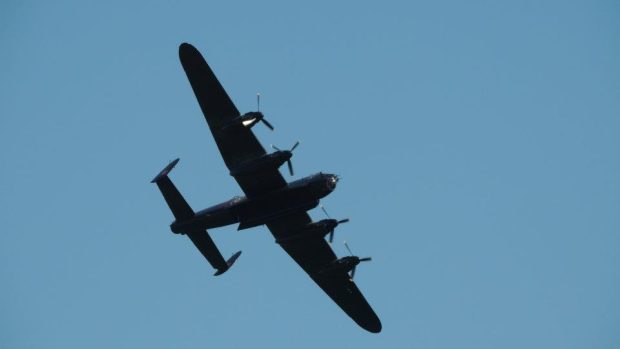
[331, 182]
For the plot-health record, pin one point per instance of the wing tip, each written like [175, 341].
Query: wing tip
[370, 322]
[374, 327]
[187, 50]
[186, 46]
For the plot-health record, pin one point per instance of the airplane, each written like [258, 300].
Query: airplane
[269, 200]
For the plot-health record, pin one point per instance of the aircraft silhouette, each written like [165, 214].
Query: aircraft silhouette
[268, 199]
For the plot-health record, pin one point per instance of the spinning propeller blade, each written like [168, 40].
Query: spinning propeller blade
[331, 232]
[290, 167]
[348, 249]
[325, 211]
[365, 259]
[262, 117]
[288, 162]
[266, 123]
[294, 146]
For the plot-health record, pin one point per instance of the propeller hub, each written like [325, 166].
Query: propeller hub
[330, 224]
[286, 155]
[354, 260]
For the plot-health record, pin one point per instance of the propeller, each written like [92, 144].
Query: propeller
[365, 259]
[331, 233]
[262, 118]
[288, 162]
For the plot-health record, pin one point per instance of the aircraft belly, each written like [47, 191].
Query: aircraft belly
[261, 212]
[205, 221]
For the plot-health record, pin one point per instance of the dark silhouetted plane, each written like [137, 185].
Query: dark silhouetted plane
[268, 199]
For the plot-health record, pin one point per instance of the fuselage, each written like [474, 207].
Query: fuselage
[298, 196]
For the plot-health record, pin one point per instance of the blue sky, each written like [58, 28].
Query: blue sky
[477, 141]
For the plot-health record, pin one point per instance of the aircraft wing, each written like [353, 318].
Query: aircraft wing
[314, 254]
[236, 143]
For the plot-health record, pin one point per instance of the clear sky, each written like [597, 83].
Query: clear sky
[478, 142]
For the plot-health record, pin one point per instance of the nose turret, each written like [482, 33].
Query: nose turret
[324, 183]
[331, 180]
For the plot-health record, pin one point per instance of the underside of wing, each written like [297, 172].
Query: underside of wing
[236, 142]
[342, 290]
[261, 182]
[313, 255]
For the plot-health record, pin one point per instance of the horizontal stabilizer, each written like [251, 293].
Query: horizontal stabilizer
[207, 248]
[179, 207]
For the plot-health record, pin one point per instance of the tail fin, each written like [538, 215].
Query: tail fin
[179, 207]
[229, 263]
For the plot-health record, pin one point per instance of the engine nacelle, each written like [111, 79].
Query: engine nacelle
[313, 230]
[265, 162]
[247, 120]
[345, 264]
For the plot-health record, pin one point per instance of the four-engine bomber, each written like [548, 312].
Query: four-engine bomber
[268, 199]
